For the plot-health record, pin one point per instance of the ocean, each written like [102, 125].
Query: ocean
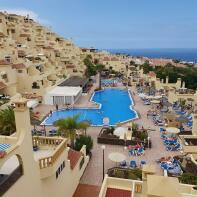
[189, 55]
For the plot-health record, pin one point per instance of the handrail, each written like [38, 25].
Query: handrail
[40, 140]
[61, 146]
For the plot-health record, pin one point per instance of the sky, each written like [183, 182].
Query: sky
[116, 24]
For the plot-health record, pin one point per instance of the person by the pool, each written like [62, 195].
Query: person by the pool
[57, 107]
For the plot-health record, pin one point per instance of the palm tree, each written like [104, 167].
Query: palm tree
[7, 121]
[69, 125]
[99, 68]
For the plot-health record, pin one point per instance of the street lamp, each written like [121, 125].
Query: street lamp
[148, 142]
[103, 148]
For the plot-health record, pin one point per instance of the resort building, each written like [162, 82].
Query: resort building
[189, 97]
[38, 166]
[63, 95]
[152, 186]
[34, 54]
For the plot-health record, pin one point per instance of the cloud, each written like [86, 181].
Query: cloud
[25, 12]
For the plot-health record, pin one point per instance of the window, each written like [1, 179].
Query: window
[5, 77]
[20, 71]
[13, 31]
[59, 170]
[8, 59]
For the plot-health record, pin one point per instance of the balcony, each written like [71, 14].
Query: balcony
[189, 143]
[64, 58]
[47, 151]
[115, 186]
[40, 41]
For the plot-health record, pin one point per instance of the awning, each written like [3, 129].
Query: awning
[172, 130]
[155, 102]
[32, 103]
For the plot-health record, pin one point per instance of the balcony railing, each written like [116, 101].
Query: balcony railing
[189, 143]
[60, 144]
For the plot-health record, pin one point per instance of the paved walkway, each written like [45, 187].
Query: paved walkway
[93, 174]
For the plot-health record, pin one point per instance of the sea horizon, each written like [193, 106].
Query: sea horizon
[182, 54]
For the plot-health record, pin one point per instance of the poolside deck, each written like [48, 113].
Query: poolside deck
[94, 177]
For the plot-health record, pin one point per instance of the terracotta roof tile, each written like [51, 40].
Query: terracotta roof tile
[112, 192]
[48, 47]
[2, 85]
[18, 66]
[74, 157]
[106, 59]
[4, 62]
[70, 66]
[114, 59]
[24, 35]
[151, 74]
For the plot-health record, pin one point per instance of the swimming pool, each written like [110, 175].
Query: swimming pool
[115, 104]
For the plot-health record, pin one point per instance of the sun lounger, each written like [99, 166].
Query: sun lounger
[177, 147]
[162, 129]
[133, 164]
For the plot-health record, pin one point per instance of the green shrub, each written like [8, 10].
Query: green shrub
[84, 140]
[108, 131]
[134, 174]
[119, 173]
[188, 178]
[138, 173]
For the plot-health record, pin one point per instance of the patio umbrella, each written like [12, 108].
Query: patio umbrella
[162, 186]
[149, 97]
[166, 103]
[157, 97]
[142, 95]
[182, 119]
[155, 102]
[171, 115]
[172, 130]
[117, 157]
[119, 131]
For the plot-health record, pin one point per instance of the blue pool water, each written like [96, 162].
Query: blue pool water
[115, 104]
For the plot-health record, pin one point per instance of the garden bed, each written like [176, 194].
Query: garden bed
[125, 173]
[110, 138]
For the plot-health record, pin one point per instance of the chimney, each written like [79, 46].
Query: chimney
[22, 116]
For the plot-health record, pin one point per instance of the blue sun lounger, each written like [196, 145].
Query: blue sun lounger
[4, 147]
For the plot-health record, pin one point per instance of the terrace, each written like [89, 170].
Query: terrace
[189, 143]
[117, 187]
[48, 149]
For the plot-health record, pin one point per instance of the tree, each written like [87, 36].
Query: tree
[84, 140]
[68, 126]
[7, 121]
[146, 67]
[132, 63]
[99, 68]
